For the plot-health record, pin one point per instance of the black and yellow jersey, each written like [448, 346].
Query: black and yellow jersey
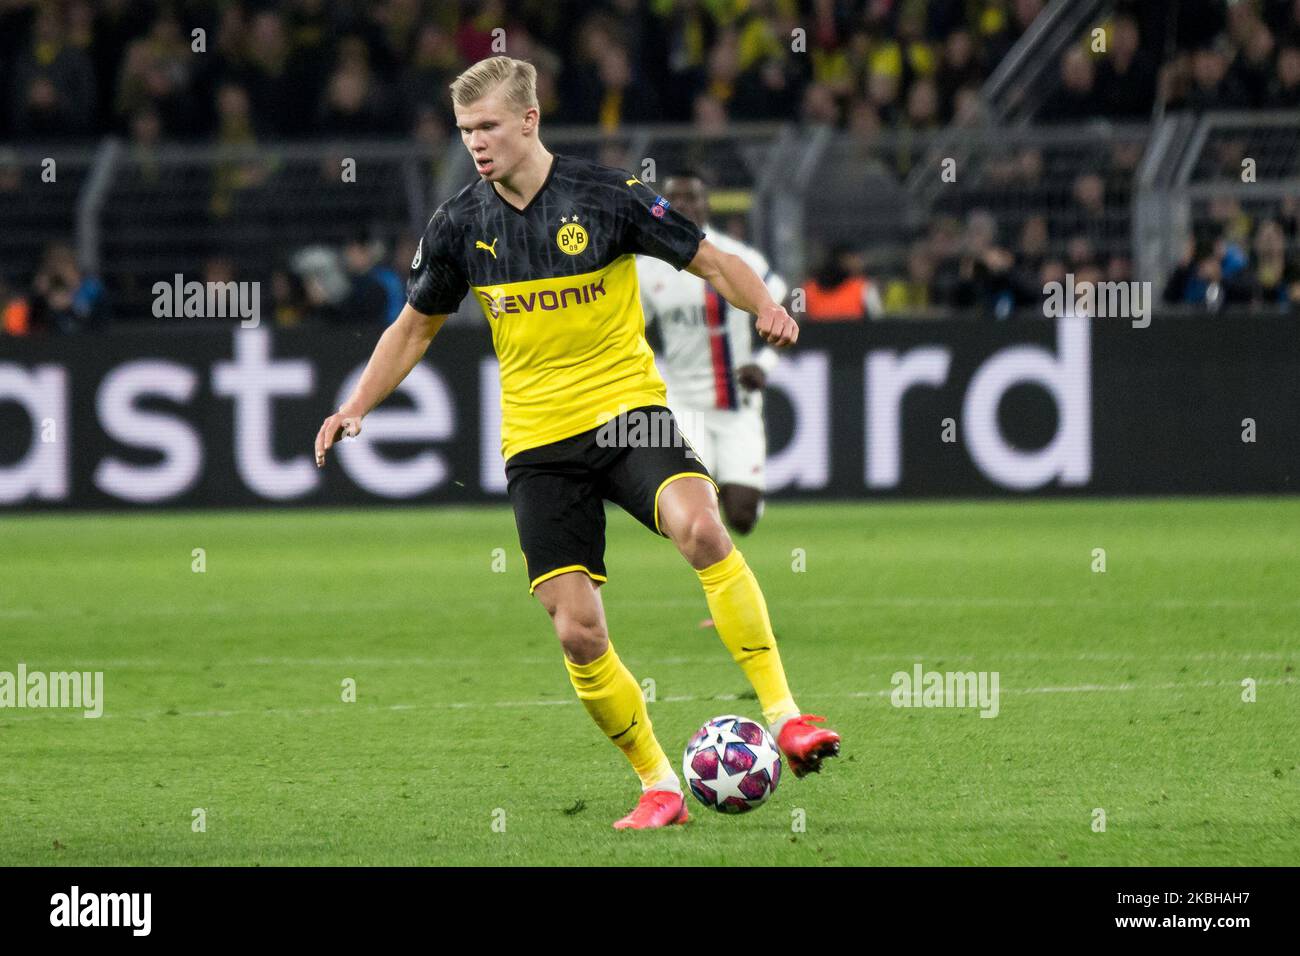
[557, 282]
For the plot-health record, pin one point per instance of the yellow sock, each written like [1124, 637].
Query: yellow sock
[740, 615]
[614, 699]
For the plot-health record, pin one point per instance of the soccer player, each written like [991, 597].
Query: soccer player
[714, 377]
[547, 244]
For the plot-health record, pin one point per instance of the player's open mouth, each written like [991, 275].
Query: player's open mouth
[484, 165]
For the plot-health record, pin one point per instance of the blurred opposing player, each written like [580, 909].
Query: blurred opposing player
[547, 244]
[715, 378]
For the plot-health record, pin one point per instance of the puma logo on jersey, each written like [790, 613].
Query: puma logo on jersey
[480, 244]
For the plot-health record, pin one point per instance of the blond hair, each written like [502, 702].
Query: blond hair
[517, 79]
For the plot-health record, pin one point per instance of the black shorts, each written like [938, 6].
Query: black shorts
[559, 490]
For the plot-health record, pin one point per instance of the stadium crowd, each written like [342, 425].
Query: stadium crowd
[75, 70]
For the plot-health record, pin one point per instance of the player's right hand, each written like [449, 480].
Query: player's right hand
[776, 327]
[335, 428]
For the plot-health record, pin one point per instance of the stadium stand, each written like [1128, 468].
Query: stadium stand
[820, 124]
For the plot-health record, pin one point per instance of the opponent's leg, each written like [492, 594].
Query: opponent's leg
[688, 513]
[611, 695]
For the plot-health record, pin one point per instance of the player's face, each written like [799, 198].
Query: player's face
[689, 197]
[495, 134]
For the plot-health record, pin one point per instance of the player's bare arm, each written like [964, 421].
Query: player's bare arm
[400, 348]
[741, 286]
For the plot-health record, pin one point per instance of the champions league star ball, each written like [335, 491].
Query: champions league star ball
[732, 764]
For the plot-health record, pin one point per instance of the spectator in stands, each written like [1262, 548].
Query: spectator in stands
[288, 299]
[1121, 169]
[708, 115]
[840, 289]
[761, 32]
[958, 69]
[1203, 274]
[769, 90]
[1252, 70]
[912, 294]
[364, 256]
[156, 76]
[1052, 270]
[1126, 77]
[883, 92]
[1022, 172]
[403, 254]
[1033, 246]
[15, 310]
[146, 131]
[1230, 221]
[432, 68]
[326, 286]
[1088, 214]
[63, 299]
[723, 69]
[11, 174]
[1212, 88]
[235, 177]
[368, 299]
[219, 268]
[276, 106]
[1289, 218]
[619, 97]
[1076, 100]
[922, 112]
[984, 273]
[920, 118]
[686, 31]
[968, 106]
[355, 102]
[1272, 278]
[1119, 269]
[819, 107]
[1079, 252]
[53, 82]
[1284, 92]
[1001, 33]
[474, 37]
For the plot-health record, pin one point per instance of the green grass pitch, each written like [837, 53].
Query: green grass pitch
[1120, 691]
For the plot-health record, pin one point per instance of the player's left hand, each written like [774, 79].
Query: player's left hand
[776, 326]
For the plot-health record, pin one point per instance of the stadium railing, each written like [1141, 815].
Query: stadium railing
[141, 215]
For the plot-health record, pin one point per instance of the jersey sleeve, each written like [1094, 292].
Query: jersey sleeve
[436, 285]
[650, 227]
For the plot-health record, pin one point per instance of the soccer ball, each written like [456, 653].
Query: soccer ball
[732, 764]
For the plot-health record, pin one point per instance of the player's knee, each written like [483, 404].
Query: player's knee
[703, 540]
[582, 636]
